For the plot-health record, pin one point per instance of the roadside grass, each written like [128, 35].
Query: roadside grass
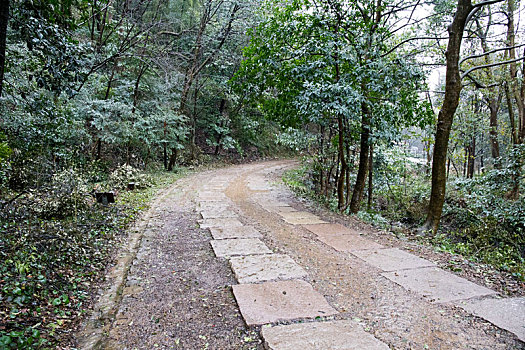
[50, 265]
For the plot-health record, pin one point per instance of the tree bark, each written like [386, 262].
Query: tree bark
[514, 88]
[359, 187]
[4, 19]
[371, 178]
[342, 159]
[446, 115]
[494, 104]
[471, 158]
[512, 119]
[173, 158]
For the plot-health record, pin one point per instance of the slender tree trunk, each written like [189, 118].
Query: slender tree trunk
[514, 88]
[321, 159]
[446, 116]
[342, 173]
[359, 187]
[165, 147]
[494, 104]
[493, 98]
[348, 160]
[173, 159]
[330, 172]
[465, 159]
[136, 91]
[471, 158]
[429, 158]
[371, 178]
[106, 96]
[4, 19]
[512, 118]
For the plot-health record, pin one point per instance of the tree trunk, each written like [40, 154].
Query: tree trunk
[4, 19]
[371, 178]
[512, 119]
[515, 90]
[471, 158]
[446, 116]
[342, 173]
[173, 159]
[165, 147]
[494, 104]
[359, 187]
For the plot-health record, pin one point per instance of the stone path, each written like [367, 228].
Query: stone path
[230, 255]
[273, 288]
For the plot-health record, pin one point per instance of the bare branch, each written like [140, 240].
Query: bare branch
[479, 85]
[412, 39]
[490, 52]
[477, 7]
[177, 35]
[491, 65]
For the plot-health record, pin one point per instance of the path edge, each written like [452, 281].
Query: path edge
[94, 331]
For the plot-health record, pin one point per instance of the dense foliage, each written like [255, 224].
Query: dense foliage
[348, 78]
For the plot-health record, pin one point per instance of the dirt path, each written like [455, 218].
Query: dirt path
[178, 293]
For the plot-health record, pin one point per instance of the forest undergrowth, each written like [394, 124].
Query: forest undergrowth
[55, 246]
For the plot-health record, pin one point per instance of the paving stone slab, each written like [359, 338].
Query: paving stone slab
[437, 285]
[218, 213]
[278, 209]
[220, 222]
[330, 230]
[284, 300]
[234, 232]
[348, 243]
[333, 335]
[508, 313]
[304, 221]
[301, 218]
[258, 268]
[392, 259]
[233, 247]
[299, 215]
[213, 206]
[212, 195]
[268, 202]
[209, 201]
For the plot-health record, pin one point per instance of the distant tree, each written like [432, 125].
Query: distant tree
[4, 19]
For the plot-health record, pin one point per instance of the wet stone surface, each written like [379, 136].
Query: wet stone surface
[333, 335]
[508, 313]
[259, 268]
[437, 285]
[300, 218]
[330, 230]
[284, 300]
[220, 222]
[233, 247]
[234, 232]
[218, 213]
[392, 259]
